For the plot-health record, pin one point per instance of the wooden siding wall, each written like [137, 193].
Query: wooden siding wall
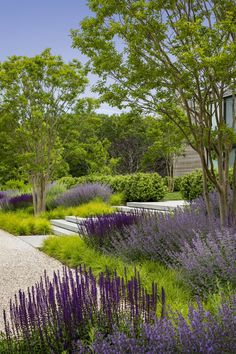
[187, 162]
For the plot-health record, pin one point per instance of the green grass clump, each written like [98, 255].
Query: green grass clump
[20, 223]
[173, 196]
[117, 199]
[93, 208]
[73, 251]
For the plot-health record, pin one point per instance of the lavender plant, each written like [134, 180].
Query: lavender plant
[99, 231]
[155, 235]
[83, 194]
[209, 260]
[54, 314]
[200, 333]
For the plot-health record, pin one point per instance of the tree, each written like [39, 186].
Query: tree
[87, 150]
[168, 143]
[175, 58]
[127, 133]
[36, 93]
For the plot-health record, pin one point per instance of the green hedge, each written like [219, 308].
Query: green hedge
[192, 184]
[142, 187]
[177, 183]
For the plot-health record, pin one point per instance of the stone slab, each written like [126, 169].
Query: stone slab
[163, 206]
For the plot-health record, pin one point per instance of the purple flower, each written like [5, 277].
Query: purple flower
[99, 231]
[55, 313]
[200, 333]
[83, 194]
[208, 260]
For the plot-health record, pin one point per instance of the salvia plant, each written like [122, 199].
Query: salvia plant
[9, 202]
[56, 313]
[201, 333]
[83, 194]
[99, 231]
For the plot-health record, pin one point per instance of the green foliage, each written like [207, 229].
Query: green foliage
[93, 208]
[117, 199]
[52, 193]
[192, 185]
[73, 251]
[20, 223]
[70, 181]
[142, 187]
[17, 185]
[177, 183]
[173, 196]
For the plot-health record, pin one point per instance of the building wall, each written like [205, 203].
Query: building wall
[187, 162]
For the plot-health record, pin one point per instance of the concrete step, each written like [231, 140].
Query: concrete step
[75, 219]
[63, 232]
[128, 209]
[67, 225]
[159, 206]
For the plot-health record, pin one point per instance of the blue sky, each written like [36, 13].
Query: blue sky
[27, 27]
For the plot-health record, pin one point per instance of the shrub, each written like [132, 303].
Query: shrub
[200, 333]
[142, 187]
[192, 185]
[68, 181]
[17, 185]
[53, 192]
[54, 314]
[83, 194]
[208, 260]
[24, 224]
[98, 232]
[117, 199]
[177, 183]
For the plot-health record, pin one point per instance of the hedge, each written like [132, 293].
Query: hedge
[138, 187]
[191, 185]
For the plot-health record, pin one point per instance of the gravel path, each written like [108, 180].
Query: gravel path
[21, 265]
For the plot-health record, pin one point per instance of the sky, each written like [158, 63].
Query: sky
[27, 27]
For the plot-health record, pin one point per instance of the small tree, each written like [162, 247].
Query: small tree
[176, 58]
[37, 92]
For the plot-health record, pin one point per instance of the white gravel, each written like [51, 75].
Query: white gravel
[21, 266]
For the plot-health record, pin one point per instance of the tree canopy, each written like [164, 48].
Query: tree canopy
[175, 58]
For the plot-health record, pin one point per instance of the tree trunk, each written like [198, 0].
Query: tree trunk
[39, 194]
[170, 174]
[223, 204]
[205, 185]
[234, 188]
[206, 193]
